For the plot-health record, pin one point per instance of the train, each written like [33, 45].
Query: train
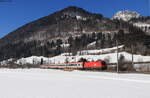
[99, 64]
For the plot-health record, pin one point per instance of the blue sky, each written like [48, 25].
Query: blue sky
[19, 12]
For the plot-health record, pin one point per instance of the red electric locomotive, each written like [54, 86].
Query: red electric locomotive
[95, 65]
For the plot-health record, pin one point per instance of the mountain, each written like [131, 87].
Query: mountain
[71, 29]
[68, 21]
[126, 15]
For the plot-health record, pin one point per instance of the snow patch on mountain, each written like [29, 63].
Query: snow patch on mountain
[144, 26]
[139, 24]
[65, 45]
[126, 15]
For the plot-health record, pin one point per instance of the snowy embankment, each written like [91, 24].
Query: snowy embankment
[112, 57]
[87, 54]
[100, 51]
[46, 83]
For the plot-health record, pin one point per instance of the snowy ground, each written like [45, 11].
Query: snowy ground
[46, 83]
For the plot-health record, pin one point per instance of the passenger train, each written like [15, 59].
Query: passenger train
[78, 65]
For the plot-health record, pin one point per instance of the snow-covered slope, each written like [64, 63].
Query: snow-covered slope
[46, 83]
[31, 60]
[100, 51]
[112, 57]
[126, 15]
[108, 54]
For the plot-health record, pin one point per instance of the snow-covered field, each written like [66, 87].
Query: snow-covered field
[47, 83]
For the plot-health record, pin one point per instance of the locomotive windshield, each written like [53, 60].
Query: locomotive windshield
[103, 62]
